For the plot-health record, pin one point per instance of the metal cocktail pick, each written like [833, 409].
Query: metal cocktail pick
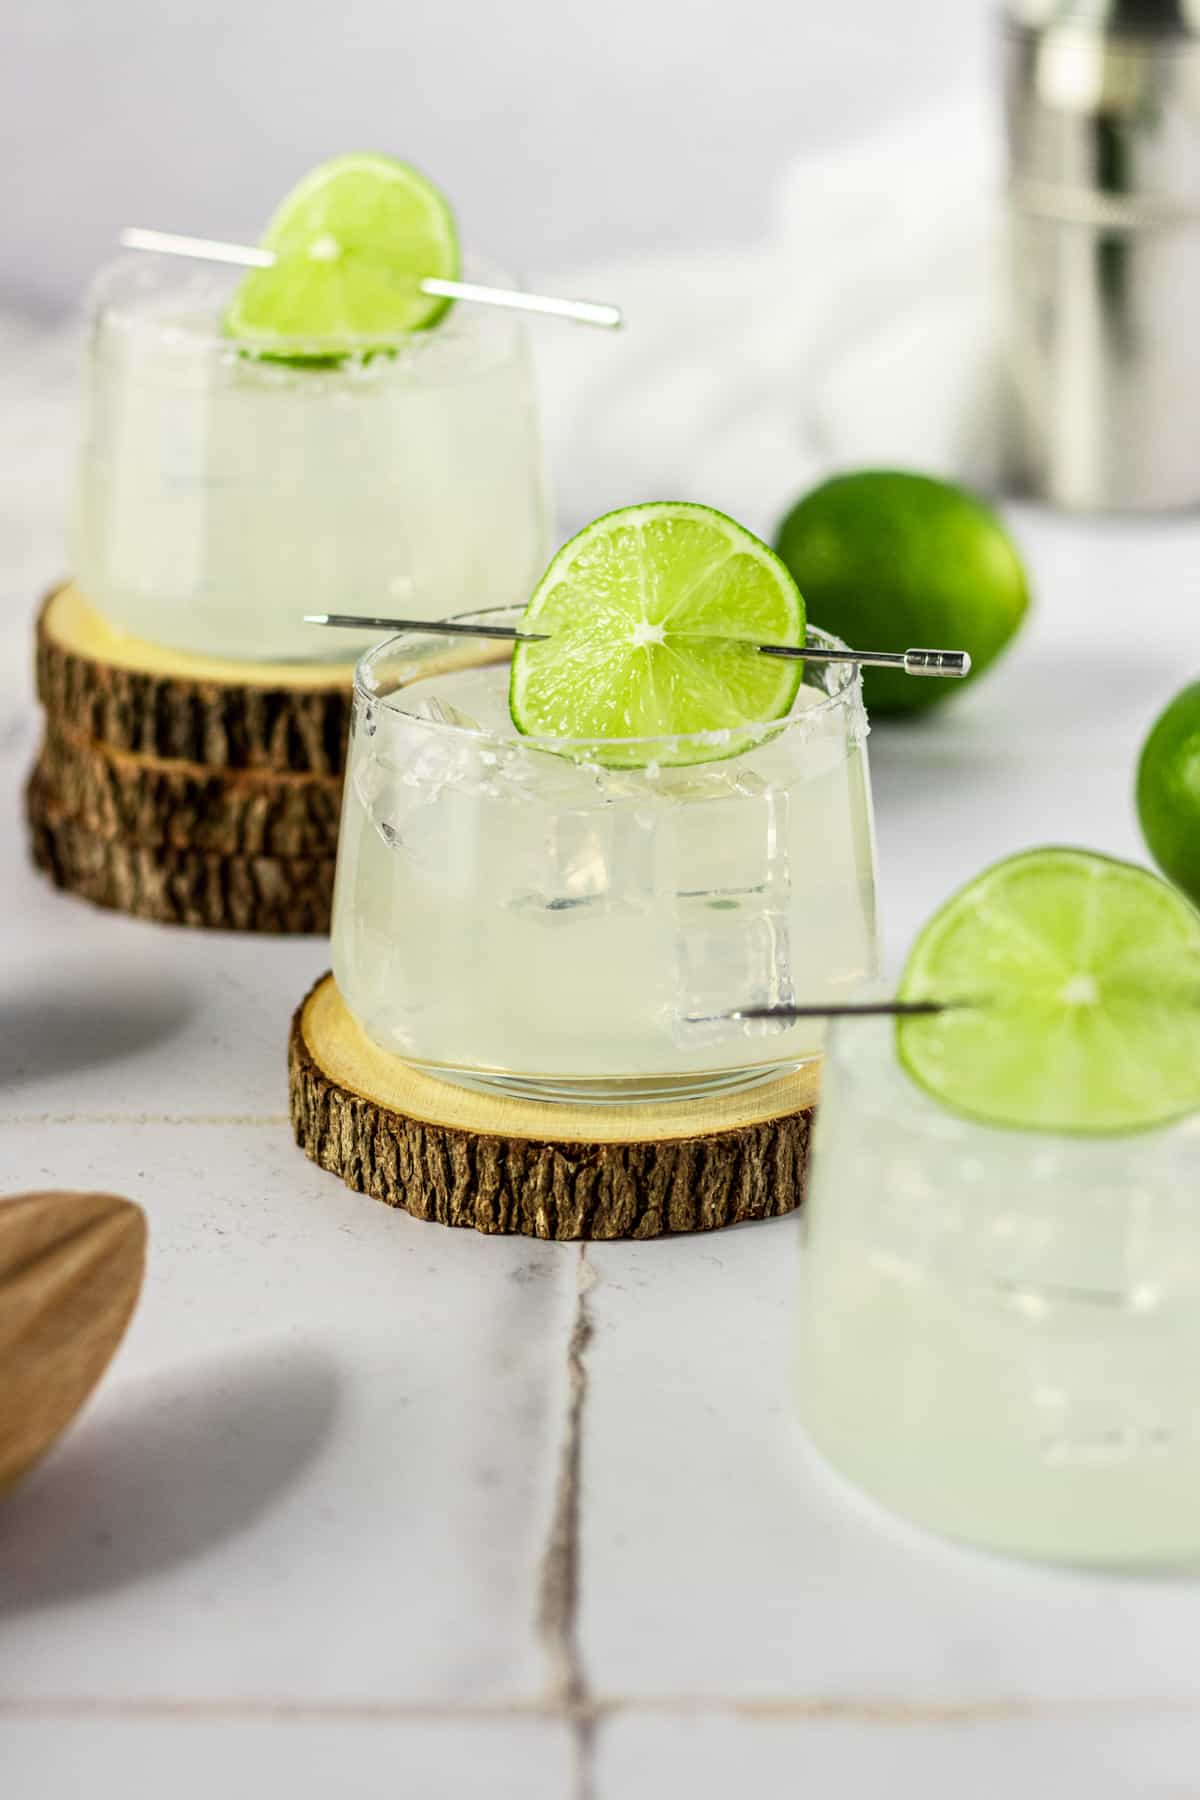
[175, 243]
[851, 1009]
[954, 664]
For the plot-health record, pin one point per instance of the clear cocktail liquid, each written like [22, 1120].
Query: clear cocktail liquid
[1000, 1330]
[514, 915]
[223, 495]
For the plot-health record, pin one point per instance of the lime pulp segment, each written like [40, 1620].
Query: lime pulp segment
[1087, 976]
[650, 616]
[352, 242]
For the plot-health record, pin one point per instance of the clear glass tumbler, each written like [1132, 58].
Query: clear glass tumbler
[510, 912]
[1000, 1329]
[223, 494]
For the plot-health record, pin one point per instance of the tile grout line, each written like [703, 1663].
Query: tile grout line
[231, 1710]
[889, 1710]
[558, 1576]
[592, 1709]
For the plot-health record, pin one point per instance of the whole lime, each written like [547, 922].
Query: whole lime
[894, 561]
[1168, 791]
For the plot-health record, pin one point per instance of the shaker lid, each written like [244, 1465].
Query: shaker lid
[1110, 18]
[1102, 103]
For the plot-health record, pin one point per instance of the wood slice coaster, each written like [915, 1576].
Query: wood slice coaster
[552, 1171]
[171, 804]
[182, 887]
[131, 695]
[184, 789]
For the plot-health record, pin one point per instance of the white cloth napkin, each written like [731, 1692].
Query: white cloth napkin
[864, 332]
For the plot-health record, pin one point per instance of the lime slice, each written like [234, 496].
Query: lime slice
[352, 243]
[644, 611]
[1087, 972]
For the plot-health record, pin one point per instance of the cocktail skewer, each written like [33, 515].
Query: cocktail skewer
[851, 1009]
[954, 664]
[435, 627]
[854, 1009]
[175, 243]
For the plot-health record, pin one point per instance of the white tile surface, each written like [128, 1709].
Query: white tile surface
[1095, 1758]
[286, 1759]
[113, 1017]
[323, 1464]
[721, 1559]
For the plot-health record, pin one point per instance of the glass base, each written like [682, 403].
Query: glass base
[1143, 1546]
[599, 1090]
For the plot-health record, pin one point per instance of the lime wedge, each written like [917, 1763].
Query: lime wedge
[1087, 973]
[644, 611]
[352, 243]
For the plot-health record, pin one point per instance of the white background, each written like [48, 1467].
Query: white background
[564, 133]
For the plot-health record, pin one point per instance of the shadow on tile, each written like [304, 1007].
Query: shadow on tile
[77, 1017]
[165, 1469]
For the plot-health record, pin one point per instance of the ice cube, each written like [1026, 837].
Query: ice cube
[729, 953]
[443, 712]
[551, 779]
[385, 797]
[601, 859]
[730, 847]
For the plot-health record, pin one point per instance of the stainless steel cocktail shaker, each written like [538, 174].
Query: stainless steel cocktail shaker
[1103, 116]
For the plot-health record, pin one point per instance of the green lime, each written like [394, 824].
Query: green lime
[1087, 977]
[892, 561]
[352, 243]
[1168, 791]
[644, 611]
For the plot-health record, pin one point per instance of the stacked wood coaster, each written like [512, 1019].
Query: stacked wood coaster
[184, 789]
[463, 1157]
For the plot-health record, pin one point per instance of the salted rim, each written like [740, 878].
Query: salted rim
[848, 677]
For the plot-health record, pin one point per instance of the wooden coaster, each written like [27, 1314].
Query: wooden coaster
[131, 695]
[183, 887]
[172, 804]
[507, 1165]
[183, 789]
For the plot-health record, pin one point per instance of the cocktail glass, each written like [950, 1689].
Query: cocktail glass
[1000, 1329]
[512, 913]
[224, 494]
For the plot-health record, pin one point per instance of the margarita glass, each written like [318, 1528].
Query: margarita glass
[1000, 1328]
[511, 912]
[224, 493]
